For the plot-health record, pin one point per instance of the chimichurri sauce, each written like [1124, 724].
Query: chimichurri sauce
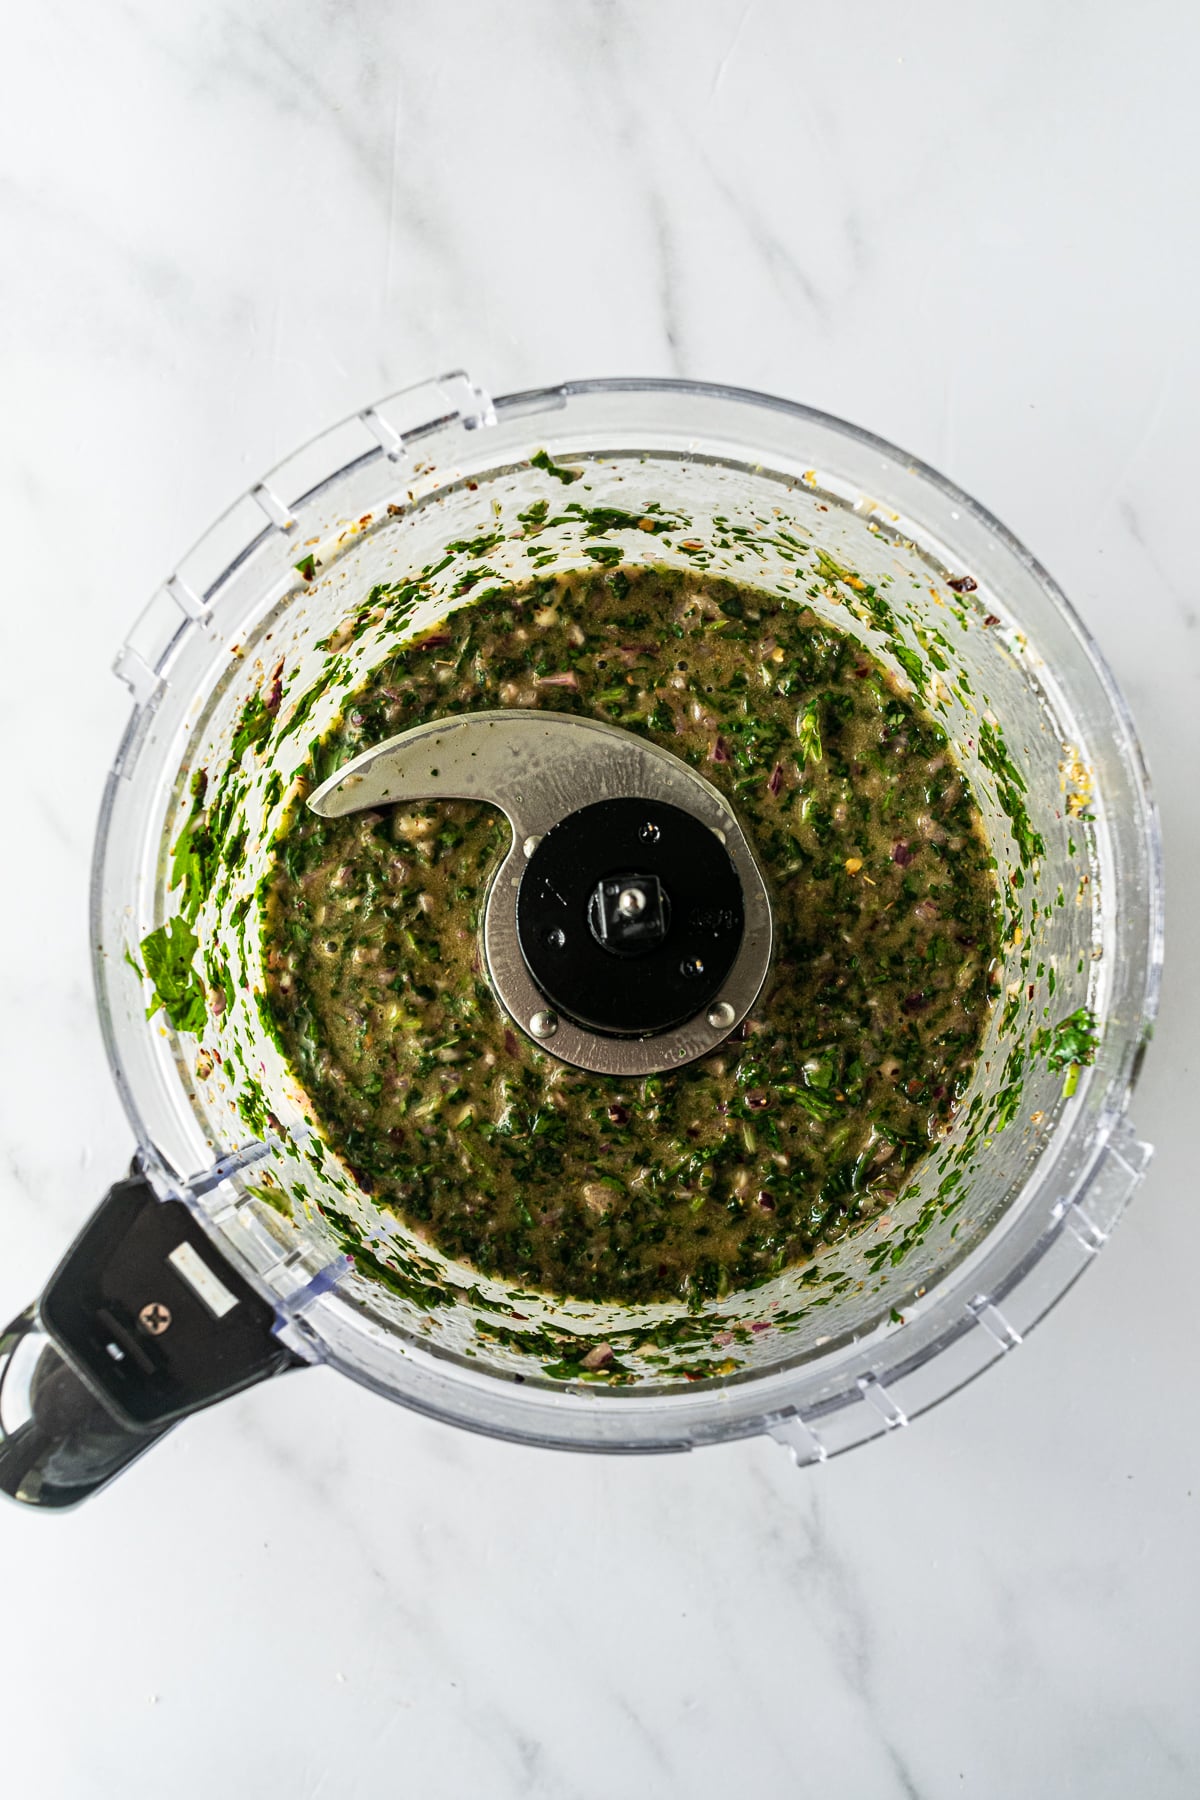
[805, 1124]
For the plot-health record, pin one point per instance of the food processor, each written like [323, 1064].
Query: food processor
[241, 1247]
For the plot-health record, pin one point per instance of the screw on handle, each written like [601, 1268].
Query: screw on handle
[144, 1321]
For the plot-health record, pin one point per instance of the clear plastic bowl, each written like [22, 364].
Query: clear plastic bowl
[1008, 1210]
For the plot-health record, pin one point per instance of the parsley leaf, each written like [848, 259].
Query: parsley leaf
[178, 989]
[541, 460]
[253, 726]
[1069, 1045]
[911, 663]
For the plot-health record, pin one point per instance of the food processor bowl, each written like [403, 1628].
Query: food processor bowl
[422, 504]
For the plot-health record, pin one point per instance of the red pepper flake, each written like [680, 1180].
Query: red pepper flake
[719, 752]
[757, 1098]
[913, 1003]
[775, 785]
[902, 854]
[962, 584]
[510, 1042]
[619, 1115]
[438, 641]
[991, 619]
[768, 1205]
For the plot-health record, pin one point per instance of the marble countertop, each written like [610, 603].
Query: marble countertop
[225, 227]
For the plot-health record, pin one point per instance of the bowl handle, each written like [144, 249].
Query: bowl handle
[144, 1321]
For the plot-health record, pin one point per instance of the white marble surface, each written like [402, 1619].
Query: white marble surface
[971, 228]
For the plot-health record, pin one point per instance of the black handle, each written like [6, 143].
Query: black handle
[58, 1444]
[144, 1322]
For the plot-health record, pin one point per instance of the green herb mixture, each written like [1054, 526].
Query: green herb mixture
[805, 1124]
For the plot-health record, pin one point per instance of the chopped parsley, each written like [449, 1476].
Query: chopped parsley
[1069, 1045]
[168, 956]
[541, 460]
[808, 730]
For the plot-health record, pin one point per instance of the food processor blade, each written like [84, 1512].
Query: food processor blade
[657, 998]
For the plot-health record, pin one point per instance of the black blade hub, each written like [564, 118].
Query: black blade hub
[630, 916]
